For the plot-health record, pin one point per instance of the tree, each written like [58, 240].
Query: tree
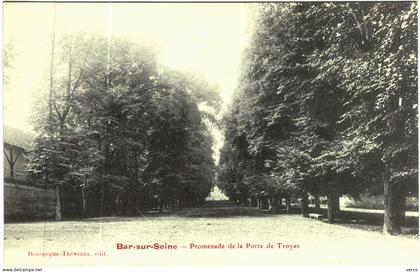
[126, 128]
[325, 105]
[381, 83]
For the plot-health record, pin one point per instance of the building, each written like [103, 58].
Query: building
[22, 201]
[15, 146]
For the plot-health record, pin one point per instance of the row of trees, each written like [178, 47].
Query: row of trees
[326, 106]
[120, 133]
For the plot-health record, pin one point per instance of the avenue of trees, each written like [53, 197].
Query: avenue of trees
[119, 133]
[326, 106]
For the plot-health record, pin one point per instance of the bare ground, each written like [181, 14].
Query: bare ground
[303, 241]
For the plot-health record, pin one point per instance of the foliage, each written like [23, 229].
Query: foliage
[123, 127]
[327, 101]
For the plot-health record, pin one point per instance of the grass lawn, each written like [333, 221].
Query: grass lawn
[373, 220]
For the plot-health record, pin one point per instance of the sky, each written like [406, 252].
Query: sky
[204, 38]
[207, 39]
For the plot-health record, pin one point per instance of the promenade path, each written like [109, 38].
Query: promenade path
[295, 241]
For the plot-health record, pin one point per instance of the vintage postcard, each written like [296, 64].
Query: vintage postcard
[193, 134]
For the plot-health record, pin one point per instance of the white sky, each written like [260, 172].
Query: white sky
[205, 38]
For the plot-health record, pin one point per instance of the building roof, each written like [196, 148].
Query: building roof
[16, 137]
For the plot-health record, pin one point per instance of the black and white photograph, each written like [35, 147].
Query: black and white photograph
[210, 134]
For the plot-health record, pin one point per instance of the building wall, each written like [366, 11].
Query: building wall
[23, 202]
[20, 164]
[6, 166]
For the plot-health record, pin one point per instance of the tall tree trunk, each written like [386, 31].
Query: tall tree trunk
[103, 171]
[336, 204]
[277, 204]
[171, 204]
[403, 206]
[161, 204]
[102, 197]
[58, 210]
[394, 194]
[102, 200]
[317, 202]
[288, 204]
[332, 202]
[304, 205]
[265, 203]
[253, 202]
[50, 127]
[84, 199]
[274, 203]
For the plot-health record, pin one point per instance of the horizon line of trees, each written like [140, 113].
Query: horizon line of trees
[119, 133]
[326, 106]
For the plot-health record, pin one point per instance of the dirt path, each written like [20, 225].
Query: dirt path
[295, 240]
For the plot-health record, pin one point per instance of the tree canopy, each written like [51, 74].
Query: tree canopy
[326, 104]
[125, 129]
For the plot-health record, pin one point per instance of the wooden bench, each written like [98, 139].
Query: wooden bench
[315, 216]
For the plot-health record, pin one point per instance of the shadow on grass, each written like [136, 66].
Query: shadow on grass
[222, 212]
[371, 221]
[359, 220]
[366, 218]
[198, 212]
